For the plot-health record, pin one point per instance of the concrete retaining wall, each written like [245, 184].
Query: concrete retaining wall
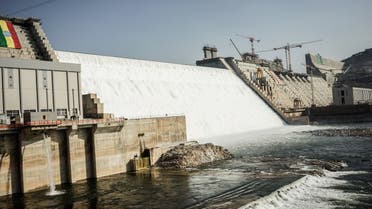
[82, 151]
[341, 114]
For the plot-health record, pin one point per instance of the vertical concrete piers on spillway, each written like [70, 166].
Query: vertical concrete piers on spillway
[81, 149]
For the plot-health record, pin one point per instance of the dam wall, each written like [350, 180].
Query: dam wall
[81, 149]
[215, 101]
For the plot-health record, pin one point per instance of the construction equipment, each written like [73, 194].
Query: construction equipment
[252, 40]
[236, 48]
[287, 48]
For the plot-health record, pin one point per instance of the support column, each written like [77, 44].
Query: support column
[64, 156]
[79, 96]
[3, 89]
[68, 96]
[20, 92]
[53, 91]
[82, 153]
[16, 164]
[90, 154]
[37, 91]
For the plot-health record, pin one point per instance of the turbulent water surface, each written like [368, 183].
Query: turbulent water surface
[270, 170]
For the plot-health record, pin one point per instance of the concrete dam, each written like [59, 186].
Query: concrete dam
[215, 101]
[51, 134]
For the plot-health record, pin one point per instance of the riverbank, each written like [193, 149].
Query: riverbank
[353, 132]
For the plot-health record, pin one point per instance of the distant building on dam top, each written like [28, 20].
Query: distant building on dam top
[291, 95]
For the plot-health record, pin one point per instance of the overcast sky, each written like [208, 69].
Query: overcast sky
[175, 31]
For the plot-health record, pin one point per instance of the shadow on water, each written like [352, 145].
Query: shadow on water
[360, 184]
[202, 188]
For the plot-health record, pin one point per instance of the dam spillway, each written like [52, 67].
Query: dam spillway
[214, 101]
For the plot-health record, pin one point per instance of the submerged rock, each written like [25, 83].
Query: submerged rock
[192, 155]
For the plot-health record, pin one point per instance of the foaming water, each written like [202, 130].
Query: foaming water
[54, 192]
[214, 101]
[311, 192]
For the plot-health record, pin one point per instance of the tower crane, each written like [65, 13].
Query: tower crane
[236, 48]
[287, 48]
[252, 40]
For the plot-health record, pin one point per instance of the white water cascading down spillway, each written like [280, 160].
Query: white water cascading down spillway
[214, 101]
[52, 186]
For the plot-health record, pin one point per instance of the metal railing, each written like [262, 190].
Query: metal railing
[155, 116]
[87, 121]
[93, 121]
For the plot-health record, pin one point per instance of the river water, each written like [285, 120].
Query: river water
[270, 170]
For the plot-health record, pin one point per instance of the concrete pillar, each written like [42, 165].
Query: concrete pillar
[16, 164]
[37, 91]
[68, 96]
[64, 158]
[3, 89]
[20, 92]
[90, 154]
[82, 153]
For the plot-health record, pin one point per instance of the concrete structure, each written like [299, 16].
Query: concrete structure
[287, 93]
[355, 113]
[209, 52]
[322, 67]
[131, 88]
[32, 79]
[81, 149]
[47, 93]
[30, 117]
[349, 95]
[33, 41]
[93, 107]
[35, 86]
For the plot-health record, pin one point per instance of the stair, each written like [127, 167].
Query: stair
[93, 107]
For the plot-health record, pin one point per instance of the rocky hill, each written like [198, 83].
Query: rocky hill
[358, 70]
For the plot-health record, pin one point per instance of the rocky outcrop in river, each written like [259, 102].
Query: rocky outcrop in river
[192, 155]
[355, 132]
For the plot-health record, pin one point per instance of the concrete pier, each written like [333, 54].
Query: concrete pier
[81, 149]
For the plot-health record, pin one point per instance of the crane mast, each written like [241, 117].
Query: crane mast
[287, 49]
[252, 40]
[236, 48]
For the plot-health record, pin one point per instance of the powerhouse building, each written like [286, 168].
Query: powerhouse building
[32, 78]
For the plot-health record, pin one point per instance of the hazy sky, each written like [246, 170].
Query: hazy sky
[175, 30]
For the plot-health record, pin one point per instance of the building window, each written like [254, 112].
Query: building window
[32, 110]
[61, 112]
[12, 113]
[342, 100]
[342, 93]
[45, 110]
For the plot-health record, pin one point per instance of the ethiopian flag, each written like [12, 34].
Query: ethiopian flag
[8, 36]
